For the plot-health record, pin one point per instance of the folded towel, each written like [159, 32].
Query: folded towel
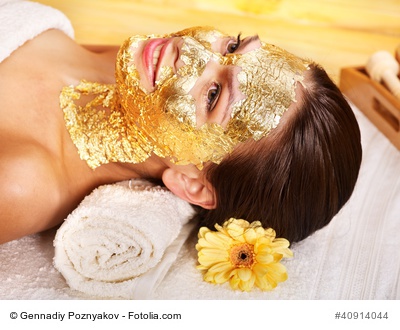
[21, 21]
[121, 240]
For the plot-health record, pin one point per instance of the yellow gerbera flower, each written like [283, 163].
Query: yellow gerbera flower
[243, 253]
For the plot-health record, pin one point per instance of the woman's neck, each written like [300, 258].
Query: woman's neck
[152, 168]
[98, 128]
[98, 132]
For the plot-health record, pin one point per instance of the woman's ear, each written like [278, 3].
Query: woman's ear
[191, 187]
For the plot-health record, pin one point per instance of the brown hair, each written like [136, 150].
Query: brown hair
[299, 177]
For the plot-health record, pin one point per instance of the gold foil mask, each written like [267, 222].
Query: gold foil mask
[267, 79]
[126, 123]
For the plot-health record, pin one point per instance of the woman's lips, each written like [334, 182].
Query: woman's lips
[152, 55]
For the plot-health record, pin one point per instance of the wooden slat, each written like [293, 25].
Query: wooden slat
[374, 100]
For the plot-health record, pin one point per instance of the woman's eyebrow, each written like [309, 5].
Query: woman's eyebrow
[249, 40]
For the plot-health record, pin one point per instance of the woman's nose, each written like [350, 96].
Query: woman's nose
[196, 54]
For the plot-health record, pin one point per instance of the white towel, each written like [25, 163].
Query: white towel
[21, 21]
[120, 241]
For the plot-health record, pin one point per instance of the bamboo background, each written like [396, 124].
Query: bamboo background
[334, 33]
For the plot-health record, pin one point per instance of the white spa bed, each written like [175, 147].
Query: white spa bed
[357, 256]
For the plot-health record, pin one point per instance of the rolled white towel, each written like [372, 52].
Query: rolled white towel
[118, 241]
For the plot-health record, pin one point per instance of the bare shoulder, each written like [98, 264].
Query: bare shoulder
[30, 192]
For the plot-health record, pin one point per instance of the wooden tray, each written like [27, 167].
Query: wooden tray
[374, 100]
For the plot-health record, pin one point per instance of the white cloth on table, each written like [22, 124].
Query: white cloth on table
[21, 21]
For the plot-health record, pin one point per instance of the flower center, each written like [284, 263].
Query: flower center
[242, 255]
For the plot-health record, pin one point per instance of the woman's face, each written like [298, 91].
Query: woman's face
[195, 57]
[196, 93]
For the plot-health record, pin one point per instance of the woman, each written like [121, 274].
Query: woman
[237, 127]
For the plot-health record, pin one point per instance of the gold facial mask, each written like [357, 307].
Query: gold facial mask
[125, 123]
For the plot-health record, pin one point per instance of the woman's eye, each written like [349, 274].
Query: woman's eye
[212, 96]
[233, 45]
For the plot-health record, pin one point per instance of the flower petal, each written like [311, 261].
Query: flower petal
[244, 274]
[203, 231]
[247, 285]
[210, 260]
[264, 257]
[221, 267]
[250, 236]
[260, 270]
[272, 281]
[222, 277]
[214, 252]
[209, 277]
[202, 243]
[264, 284]
[218, 239]
[270, 233]
[262, 243]
[277, 273]
[235, 229]
[234, 280]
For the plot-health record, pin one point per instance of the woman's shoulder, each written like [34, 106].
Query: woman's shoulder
[30, 193]
[27, 171]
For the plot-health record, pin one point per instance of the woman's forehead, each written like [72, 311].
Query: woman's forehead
[205, 34]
